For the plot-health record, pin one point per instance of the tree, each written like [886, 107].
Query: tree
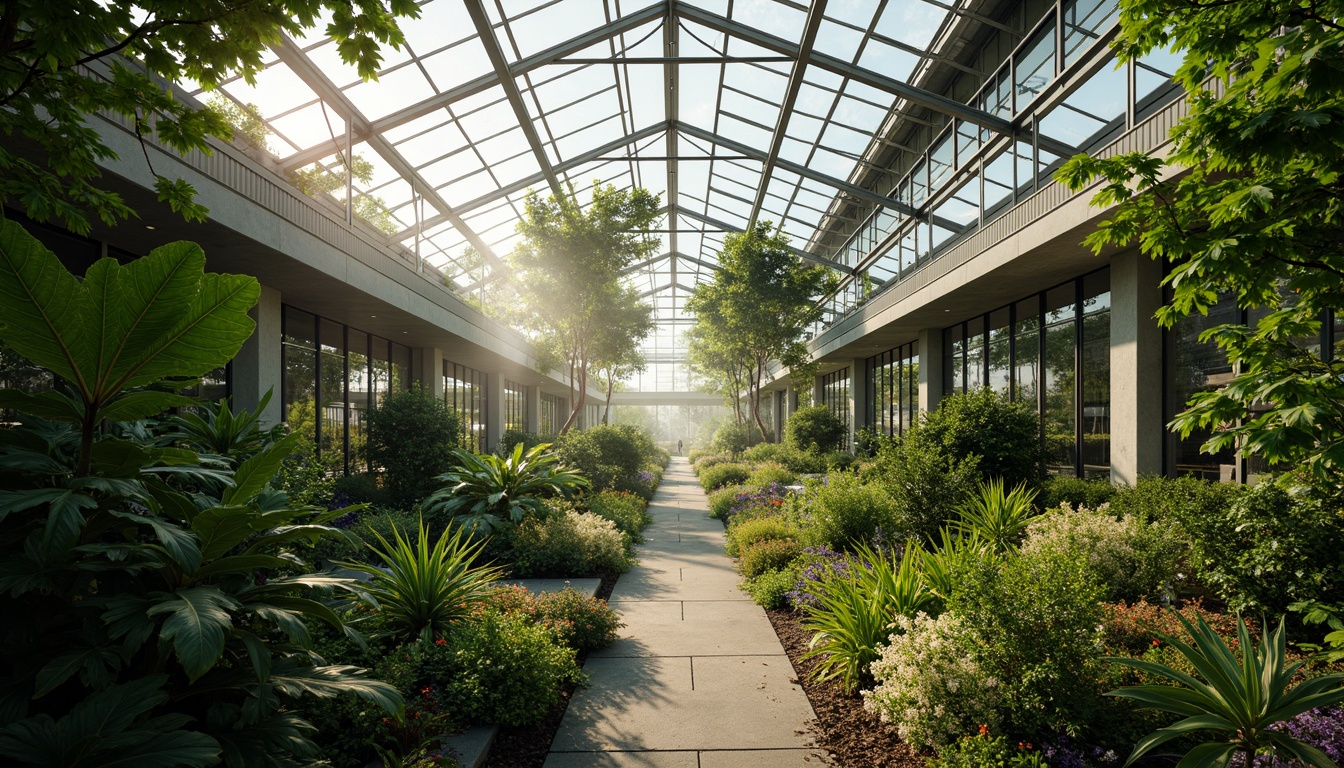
[63, 61]
[1247, 205]
[567, 272]
[721, 365]
[762, 301]
[616, 345]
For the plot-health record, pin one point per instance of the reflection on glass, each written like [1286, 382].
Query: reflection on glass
[1096, 371]
[1000, 352]
[1084, 21]
[1058, 416]
[331, 446]
[1193, 366]
[1027, 350]
[1034, 67]
[300, 353]
[954, 360]
[358, 391]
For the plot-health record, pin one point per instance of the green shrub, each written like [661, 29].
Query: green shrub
[926, 483]
[1129, 558]
[1268, 549]
[1037, 616]
[1074, 491]
[1004, 434]
[770, 590]
[612, 456]
[734, 438]
[767, 555]
[768, 473]
[846, 513]
[721, 501]
[411, 439]
[500, 669]
[581, 622]
[361, 526]
[358, 488]
[721, 475]
[815, 429]
[711, 460]
[695, 454]
[1156, 498]
[629, 512]
[767, 452]
[792, 459]
[985, 751]
[743, 532]
[839, 460]
[930, 684]
[512, 437]
[492, 492]
[570, 543]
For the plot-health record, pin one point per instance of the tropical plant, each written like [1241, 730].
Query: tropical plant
[851, 616]
[420, 590]
[996, 517]
[1238, 699]
[489, 492]
[216, 429]
[149, 620]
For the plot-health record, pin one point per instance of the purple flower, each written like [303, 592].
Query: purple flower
[1322, 728]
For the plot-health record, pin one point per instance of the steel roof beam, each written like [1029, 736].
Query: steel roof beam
[644, 263]
[671, 99]
[485, 82]
[507, 82]
[814, 15]
[934, 101]
[800, 253]
[329, 93]
[666, 286]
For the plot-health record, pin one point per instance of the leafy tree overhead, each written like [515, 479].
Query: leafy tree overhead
[567, 273]
[760, 304]
[63, 61]
[1246, 205]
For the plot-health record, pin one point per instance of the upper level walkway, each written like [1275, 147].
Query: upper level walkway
[698, 678]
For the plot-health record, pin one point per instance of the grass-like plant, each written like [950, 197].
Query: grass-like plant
[424, 588]
[1238, 699]
[851, 618]
[940, 565]
[997, 516]
[492, 491]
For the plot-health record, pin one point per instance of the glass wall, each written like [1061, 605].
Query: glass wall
[464, 391]
[835, 396]
[1033, 351]
[332, 375]
[551, 417]
[893, 389]
[515, 406]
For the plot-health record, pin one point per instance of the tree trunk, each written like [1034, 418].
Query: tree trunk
[611, 387]
[755, 399]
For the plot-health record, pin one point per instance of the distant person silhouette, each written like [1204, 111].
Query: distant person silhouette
[678, 447]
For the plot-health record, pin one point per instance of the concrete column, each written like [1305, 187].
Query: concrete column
[494, 410]
[258, 365]
[818, 390]
[427, 367]
[930, 369]
[533, 423]
[1136, 368]
[858, 398]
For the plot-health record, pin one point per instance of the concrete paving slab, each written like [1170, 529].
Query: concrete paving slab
[677, 582]
[654, 704]
[763, 758]
[622, 760]
[693, 628]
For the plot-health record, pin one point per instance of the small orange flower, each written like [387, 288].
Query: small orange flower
[1156, 643]
[984, 730]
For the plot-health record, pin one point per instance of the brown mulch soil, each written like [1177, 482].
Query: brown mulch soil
[854, 737]
[526, 746]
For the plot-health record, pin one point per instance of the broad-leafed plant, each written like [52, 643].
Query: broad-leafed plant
[1236, 698]
[489, 492]
[151, 618]
[218, 429]
[422, 589]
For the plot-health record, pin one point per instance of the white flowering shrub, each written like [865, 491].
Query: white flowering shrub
[570, 544]
[1131, 558]
[929, 684]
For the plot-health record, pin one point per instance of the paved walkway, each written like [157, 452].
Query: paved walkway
[698, 678]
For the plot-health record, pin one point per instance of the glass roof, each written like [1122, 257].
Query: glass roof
[733, 110]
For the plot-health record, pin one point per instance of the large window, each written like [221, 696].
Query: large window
[835, 396]
[464, 391]
[515, 406]
[893, 389]
[1033, 351]
[551, 417]
[332, 375]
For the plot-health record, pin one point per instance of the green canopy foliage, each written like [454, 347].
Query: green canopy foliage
[1247, 204]
[63, 61]
[567, 273]
[757, 309]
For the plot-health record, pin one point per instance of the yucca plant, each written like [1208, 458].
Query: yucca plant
[424, 589]
[940, 565]
[995, 516]
[217, 429]
[492, 491]
[851, 619]
[1239, 699]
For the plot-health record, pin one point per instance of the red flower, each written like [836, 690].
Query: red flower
[440, 641]
[984, 730]
[1156, 643]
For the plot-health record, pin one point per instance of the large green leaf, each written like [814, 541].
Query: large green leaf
[223, 528]
[197, 625]
[257, 471]
[46, 309]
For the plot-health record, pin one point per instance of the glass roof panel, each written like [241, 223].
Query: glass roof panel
[911, 22]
